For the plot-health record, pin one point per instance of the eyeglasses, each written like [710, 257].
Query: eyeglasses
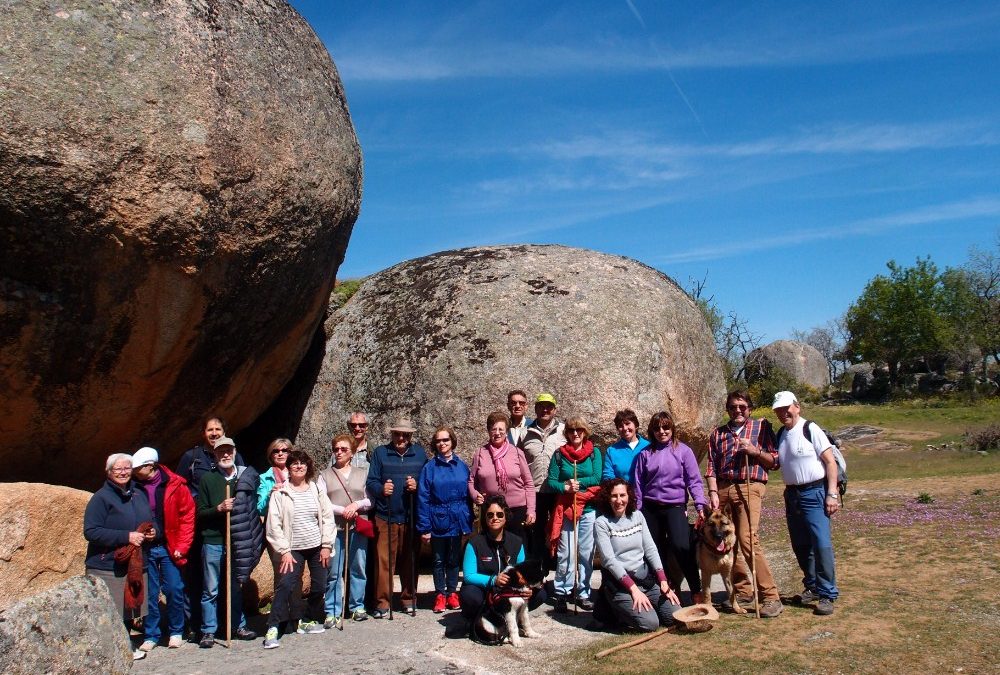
[518, 403]
[446, 439]
[495, 515]
[121, 470]
[295, 465]
[359, 425]
[341, 448]
[741, 408]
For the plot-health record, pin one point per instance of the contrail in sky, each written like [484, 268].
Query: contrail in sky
[663, 60]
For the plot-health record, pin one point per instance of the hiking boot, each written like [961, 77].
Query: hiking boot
[379, 613]
[808, 597]
[360, 615]
[310, 628]
[824, 607]
[585, 604]
[439, 603]
[175, 641]
[271, 638]
[745, 600]
[332, 622]
[561, 607]
[453, 601]
[245, 634]
[771, 609]
[207, 641]
[147, 646]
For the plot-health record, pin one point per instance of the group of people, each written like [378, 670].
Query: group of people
[543, 491]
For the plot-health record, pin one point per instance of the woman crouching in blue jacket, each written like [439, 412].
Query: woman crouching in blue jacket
[443, 514]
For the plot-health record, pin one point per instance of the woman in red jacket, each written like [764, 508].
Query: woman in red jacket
[173, 514]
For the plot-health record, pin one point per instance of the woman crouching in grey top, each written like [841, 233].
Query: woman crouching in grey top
[634, 593]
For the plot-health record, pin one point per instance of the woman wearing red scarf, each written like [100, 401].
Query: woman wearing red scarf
[575, 474]
[499, 468]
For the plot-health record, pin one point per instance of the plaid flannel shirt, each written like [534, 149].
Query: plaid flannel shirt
[722, 446]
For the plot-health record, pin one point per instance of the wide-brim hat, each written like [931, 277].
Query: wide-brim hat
[696, 618]
[403, 425]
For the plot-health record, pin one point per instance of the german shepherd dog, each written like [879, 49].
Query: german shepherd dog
[505, 613]
[716, 554]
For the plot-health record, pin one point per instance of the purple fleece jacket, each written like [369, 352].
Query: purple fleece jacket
[667, 475]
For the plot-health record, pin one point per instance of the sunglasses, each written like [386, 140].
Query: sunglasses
[359, 425]
[495, 515]
[519, 403]
[741, 408]
[341, 448]
[442, 440]
[280, 451]
[664, 428]
[575, 431]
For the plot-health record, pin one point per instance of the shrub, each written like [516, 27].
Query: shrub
[925, 498]
[342, 292]
[983, 439]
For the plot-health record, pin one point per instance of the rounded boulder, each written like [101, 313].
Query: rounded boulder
[442, 339]
[803, 362]
[180, 182]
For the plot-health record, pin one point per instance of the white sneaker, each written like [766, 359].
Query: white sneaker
[147, 646]
[138, 655]
[175, 641]
[271, 638]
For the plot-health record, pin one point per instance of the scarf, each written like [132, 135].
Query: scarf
[150, 487]
[577, 456]
[132, 556]
[568, 507]
[497, 455]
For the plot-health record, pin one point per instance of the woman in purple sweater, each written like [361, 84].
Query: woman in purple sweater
[499, 468]
[665, 473]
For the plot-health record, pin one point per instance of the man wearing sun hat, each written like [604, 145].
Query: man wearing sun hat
[544, 436]
[392, 483]
[809, 470]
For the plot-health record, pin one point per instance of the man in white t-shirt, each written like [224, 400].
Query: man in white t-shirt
[811, 497]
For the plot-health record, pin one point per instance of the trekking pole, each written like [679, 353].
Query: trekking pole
[347, 563]
[229, 576]
[576, 551]
[753, 558]
[413, 551]
[392, 567]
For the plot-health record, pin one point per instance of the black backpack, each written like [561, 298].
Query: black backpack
[838, 455]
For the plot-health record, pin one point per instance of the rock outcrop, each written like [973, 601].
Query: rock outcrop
[800, 360]
[41, 538]
[71, 628]
[441, 339]
[179, 184]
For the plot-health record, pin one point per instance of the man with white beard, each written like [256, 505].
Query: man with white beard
[246, 531]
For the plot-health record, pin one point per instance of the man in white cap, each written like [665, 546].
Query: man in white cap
[809, 469]
[173, 516]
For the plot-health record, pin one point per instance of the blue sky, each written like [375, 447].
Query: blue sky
[783, 151]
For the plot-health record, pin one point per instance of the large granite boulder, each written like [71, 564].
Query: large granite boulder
[179, 184]
[441, 339]
[803, 362]
[71, 628]
[41, 538]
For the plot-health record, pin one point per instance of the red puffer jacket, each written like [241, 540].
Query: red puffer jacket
[178, 517]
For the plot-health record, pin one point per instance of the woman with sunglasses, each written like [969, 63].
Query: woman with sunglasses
[665, 474]
[344, 484]
[277, 475]
[574, 473]
[300, 528]
[443, 514]
[486, 557]
[500, 468]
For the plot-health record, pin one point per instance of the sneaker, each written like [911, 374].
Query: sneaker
[360, 615]
[410, 609]
[207, 641]
[175, 641]
[138, 655]
[310, 628]
[245, 634]
[453, 601]
[808, 597]
[333, 622]
[379, 613]
[439, 603]
[771, 609]
[147, 646]
[585, 604]
[271, 638]
[824, 607]
[561, 607]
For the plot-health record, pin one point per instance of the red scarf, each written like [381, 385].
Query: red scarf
[568, 507]
[132, 554]
[577, 456]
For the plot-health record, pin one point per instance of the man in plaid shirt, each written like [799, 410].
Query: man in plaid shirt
[729, 446]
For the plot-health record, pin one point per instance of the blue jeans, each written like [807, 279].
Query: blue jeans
[212, 557]
[163, 575]
[809, 530]
[447, 559]
[565, 554]
[358, 555]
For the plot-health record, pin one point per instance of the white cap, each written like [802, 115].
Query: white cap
[145, 456]
[225, 440]
[783, 399]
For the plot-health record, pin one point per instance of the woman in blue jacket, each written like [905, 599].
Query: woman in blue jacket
[443, 514]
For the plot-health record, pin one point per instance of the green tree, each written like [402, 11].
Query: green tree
[900, 317]
[982, 273]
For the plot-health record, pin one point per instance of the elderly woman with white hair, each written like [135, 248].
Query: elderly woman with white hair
[117, 525]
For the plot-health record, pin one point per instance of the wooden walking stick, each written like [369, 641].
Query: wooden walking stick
[753, 558]
[347, 563]
[631, 643]
[576, 550]
[229, 576]
[392, 566]
[414, 543]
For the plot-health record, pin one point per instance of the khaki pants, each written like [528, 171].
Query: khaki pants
[402, 565]
[734, 494]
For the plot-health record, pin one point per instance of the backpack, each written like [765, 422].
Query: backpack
[838, 455]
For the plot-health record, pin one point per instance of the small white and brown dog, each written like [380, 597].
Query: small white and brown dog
[505, 614]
